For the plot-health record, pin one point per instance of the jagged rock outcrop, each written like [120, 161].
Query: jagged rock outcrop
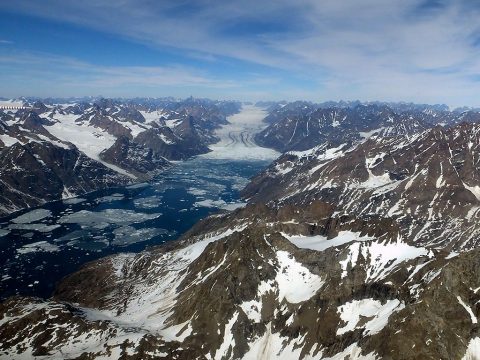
[173, 145]
[143, 162]
[99, 118]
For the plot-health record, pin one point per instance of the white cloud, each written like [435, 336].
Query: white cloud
[66, 76]
[371, 49]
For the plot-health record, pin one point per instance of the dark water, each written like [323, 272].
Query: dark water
[40, 246]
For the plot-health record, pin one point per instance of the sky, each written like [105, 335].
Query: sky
[423, 51]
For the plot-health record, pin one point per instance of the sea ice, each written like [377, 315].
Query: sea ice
[148, 202]
[110, 198]
[43, 246]
[197, 192]
[105, 218]
[137, 186]
[73, 201]
[127, 235]
[32, 216]
[43, 228]
[74, 235]
[221, 204]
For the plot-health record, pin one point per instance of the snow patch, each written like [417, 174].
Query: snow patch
[473, 350]
[253, 310]
[382, 258]
[369, 134]
[468, 309]
[8, 140]
[228, 339]
[295, 282]
[353, 352]
[377, 314]
[475, 190]
[321, 243]
[273, 346]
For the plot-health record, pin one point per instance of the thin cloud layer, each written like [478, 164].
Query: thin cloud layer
[423, 51]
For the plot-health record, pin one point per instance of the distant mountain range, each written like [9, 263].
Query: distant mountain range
[302, 125]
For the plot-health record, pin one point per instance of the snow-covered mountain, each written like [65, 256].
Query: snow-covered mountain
[363, 250]
[302, 125]
[76, 147]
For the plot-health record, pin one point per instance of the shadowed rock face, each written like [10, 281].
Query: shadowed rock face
[99, 120]
[180, 144]
[363, 251]
[142, 162]
[129, 114]
[34, 173]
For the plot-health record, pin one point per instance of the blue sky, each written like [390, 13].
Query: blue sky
[409, 50]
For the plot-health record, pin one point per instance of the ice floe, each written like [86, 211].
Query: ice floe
[110, 198]
[105, 218]
[151, 202]
[73, 201]
[43, 246]
[32, 216]
[43, 228]
[221, 204]
[127, 235]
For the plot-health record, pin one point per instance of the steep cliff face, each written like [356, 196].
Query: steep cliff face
[36, 172]
[179, 143]
[360, 251]
[143, 162]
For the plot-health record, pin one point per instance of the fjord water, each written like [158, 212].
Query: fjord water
[40, 246]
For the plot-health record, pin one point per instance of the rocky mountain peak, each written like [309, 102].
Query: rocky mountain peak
[39, 107]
